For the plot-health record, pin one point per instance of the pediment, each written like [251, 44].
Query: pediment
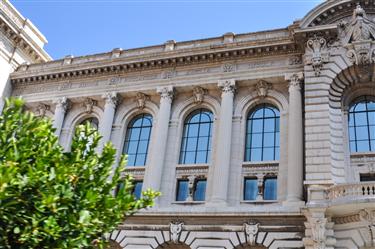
[336, 12]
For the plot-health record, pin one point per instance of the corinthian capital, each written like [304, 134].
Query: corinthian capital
[294, 79]
[62, 103]
[166, 92]
[227, 86]
[111, 98]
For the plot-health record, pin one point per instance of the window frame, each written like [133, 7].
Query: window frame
[197, 179]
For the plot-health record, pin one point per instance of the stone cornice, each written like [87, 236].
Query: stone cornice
[162, 60]
[18, 30]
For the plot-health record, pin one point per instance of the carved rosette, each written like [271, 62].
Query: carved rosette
[199, 94]
[175, 229]
[251, 231]
[42, 109]
[141, 100]
[89, 104]
[316, 53]
[295, 80]
[262, 88]
[227, 86]
[111, 98]
[166, 93]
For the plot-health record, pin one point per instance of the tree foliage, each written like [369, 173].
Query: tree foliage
[55, 199]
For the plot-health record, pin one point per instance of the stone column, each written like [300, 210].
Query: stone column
[222, 155]
[154, 170]
[295, 139]
[111, 100]
[60, 110]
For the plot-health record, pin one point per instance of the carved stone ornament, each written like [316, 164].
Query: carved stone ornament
[227, 86]
[368, 217]
[111, 98]
[294, 79]
[228, 67]
[166, 92]
[316, 53]
[358, 37]
[262, 88]
[62, 103]
[251, 231]
[42, 109]
[89, 104]
[141, 99]
[199, 93]
[191, 187]
[175, 229]
[318, 232]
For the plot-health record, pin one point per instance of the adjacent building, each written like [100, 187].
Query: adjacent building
[256, 140]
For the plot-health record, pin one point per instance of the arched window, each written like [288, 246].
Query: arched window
[362, 125]
[196, 140]
[262, 134]
[137, 139]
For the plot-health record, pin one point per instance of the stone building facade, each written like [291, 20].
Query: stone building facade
[257, 140]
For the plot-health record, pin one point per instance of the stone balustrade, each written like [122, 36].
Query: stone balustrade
[356, 190]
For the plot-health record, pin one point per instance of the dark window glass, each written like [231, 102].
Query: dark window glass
[137, 191]
[262, 134]
[200, 190]
[195, 146]
[362, 125]
[250, 189]
[270, 189]
[137, 140]
[367, 177]
[182, 190]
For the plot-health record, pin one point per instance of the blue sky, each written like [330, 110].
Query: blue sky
[81, 27]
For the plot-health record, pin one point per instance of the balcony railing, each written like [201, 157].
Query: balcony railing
[355, 190]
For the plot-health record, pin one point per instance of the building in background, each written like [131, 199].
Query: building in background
[257, 140]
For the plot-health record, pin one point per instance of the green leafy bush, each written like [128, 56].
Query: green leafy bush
[55, 199]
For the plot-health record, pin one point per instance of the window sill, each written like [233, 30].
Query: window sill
[260, 163]
[189, 202]
[192, 165]
[259, 202]
[362, 154]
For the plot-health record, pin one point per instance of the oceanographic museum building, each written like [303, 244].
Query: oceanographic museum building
[256, 140]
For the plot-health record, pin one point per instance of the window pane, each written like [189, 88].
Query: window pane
[182, 190]
[269, 125]
[189, 158]
[137, 192]
[351, 119]
[191, 144]
[137, 122]
[258, 113]
[360, 107]
[372, 132]
[360, 119]
[201, 157]
[257, 125]
[131, 160]
[206, 117]
[363, 146]
[362, 132]
[134, 134]
[141, 160]
[256, 155]
[132, 147]
[352, 147]
[142, 146]
[256, 141]
[145, 133]
[277, 139]
[204, 129]
[371, 106]
[203, 143]
[194, 119]
[371, 118]
[193, 130]
[200, 190]
[268, 154]
[277, 153]
[269, 139]
[268, 113]
[270, 189]
[250, 189]
[351, 134]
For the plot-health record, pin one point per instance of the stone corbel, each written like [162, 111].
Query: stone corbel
[89, 104]
[368, 217]
[42, 109]
[316, 53]
[319, 231]
[251, 231]
[199, 94]
[262, 88]
[175, 229]
[141, 100]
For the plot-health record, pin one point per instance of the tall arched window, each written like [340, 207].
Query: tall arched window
[196, 140]
[137, 139]
[262, 134]
[362, 125]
